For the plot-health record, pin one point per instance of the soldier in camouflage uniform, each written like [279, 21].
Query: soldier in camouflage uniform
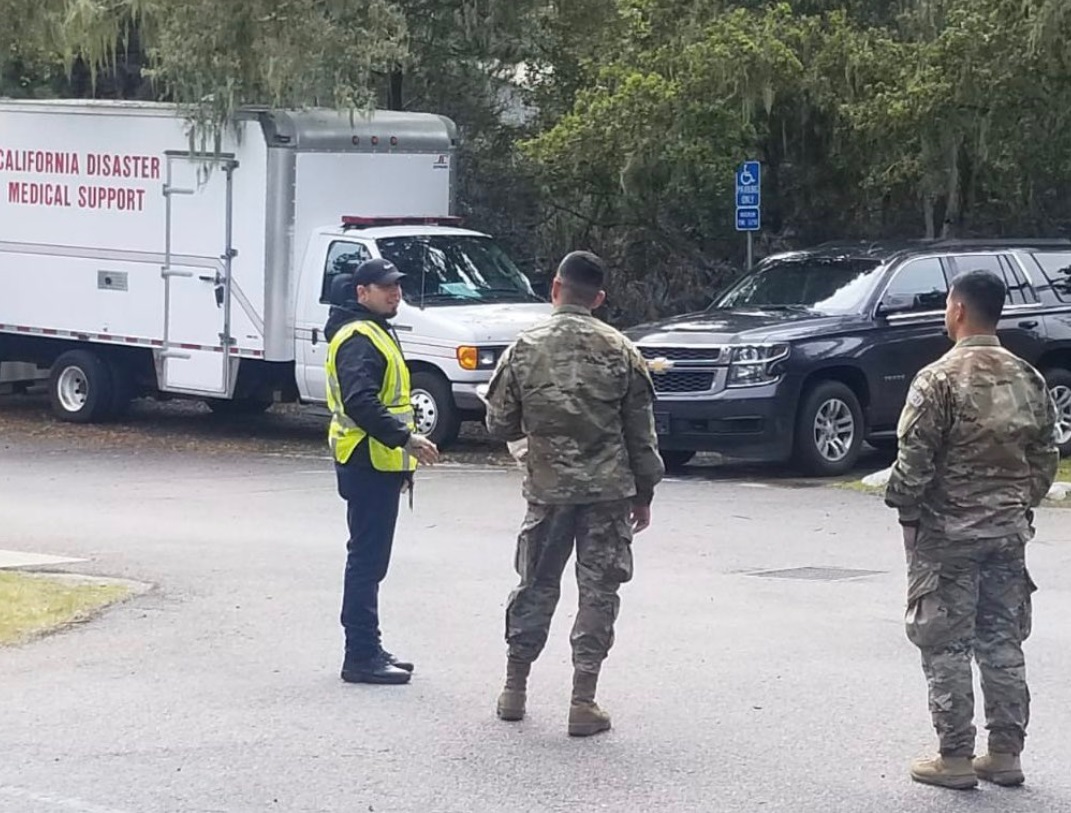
[581, 394]
[976, 456]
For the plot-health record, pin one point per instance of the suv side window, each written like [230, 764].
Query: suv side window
[1057, 269]
[1019, 290]
[342, 257]
[924, 281]
[1019, 293]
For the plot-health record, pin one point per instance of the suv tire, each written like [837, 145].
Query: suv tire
[1059, 383]
[829, 430]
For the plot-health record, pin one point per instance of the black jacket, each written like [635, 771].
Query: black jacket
[361, 368]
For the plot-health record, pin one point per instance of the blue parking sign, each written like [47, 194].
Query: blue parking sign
[748, 219]
[749, 196]
[749, 177]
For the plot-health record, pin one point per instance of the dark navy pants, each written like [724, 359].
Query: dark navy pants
[372, 499]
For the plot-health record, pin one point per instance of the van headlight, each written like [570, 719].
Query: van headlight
[753, 365]
[477, 358]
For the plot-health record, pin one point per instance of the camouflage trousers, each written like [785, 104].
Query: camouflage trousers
[964, 599]
[602, 533]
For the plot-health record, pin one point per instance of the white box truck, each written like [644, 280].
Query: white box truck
[134, 263]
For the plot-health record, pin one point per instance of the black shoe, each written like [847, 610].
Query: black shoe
[373, 670]
[393, 661]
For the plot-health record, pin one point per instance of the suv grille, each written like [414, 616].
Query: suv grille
[683, 382]
[709, 354]
[692, 369]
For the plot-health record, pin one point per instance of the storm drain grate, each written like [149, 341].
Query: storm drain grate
[818, 574]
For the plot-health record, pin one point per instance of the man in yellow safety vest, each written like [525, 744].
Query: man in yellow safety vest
[376, 450]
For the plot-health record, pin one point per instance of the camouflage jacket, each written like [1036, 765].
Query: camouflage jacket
[581, 393]
[977, 448]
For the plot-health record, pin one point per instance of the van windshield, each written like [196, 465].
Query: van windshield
[831, 285]
[456, 269]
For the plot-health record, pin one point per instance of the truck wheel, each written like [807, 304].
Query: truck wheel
[434, 411]
[675, 459]
[80, 387]
[234, 407]
[829, 430]
[1059, 382]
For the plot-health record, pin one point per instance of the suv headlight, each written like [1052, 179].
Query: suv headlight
[755, 364]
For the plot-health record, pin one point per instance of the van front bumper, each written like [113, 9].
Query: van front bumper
[465, 396]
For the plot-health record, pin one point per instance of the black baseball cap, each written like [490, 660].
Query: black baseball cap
[377, 272]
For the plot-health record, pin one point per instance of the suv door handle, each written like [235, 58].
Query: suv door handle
[1029, 324]
[315, 335]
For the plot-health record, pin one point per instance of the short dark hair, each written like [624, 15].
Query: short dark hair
[983, 292]
[583, 274]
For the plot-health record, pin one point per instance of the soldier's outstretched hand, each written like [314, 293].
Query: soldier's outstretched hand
[426, 452]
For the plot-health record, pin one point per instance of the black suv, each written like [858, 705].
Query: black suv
[813, 351]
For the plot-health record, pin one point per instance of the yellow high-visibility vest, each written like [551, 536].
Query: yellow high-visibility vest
[345, 435]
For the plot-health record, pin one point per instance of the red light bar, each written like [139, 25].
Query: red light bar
[353, 221]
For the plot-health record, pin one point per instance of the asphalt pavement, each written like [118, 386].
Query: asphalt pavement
[760, 662]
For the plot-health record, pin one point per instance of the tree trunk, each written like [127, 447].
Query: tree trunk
[952, 205]
[394, 90]
[927, 213]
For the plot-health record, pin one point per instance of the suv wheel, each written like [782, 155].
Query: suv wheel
[829, 430]
[1059, 382]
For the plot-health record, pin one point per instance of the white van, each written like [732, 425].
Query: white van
[135, 262]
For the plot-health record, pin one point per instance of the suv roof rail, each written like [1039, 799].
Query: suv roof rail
[1009, 242]
[869, 246]
[893, 246]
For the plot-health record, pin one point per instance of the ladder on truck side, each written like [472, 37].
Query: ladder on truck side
[197, 353]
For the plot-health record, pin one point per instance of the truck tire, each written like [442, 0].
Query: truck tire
[829, 430]
[436, 415]
[1059, 382]
[675, 459]
[80, 387]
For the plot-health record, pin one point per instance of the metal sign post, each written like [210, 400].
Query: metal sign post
[749, 202]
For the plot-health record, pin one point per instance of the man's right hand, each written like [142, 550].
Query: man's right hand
[426, 452]
[641, 518]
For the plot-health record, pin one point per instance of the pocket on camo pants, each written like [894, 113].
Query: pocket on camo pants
[924, 619]
[1026, 611]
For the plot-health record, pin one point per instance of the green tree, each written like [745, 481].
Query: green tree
[213, 57]
[617, 124]
[643, 165]
[872, 119]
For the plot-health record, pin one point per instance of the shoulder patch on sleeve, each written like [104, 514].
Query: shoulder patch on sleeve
[921, 391]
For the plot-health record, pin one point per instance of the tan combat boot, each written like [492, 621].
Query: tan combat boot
[586, 718]
[1000, 769]
[511, 701]
[946, 772]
